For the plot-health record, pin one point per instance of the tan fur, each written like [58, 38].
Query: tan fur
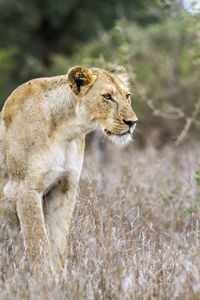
[42, 135]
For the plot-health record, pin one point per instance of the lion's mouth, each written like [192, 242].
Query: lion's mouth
[118, 134]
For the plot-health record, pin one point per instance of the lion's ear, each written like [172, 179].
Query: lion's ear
[121, 73]
[80, 80]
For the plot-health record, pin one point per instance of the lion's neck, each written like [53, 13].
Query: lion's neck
[72, 128]
[68, 121]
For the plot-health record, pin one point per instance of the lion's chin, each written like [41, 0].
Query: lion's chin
[120, 139]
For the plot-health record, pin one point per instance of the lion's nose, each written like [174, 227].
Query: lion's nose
[130, 123]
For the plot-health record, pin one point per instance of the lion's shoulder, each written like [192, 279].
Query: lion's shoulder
[29, 93]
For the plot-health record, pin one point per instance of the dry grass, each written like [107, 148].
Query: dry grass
[135, 233]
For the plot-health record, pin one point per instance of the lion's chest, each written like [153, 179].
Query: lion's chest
[57, 161]
[54, 165]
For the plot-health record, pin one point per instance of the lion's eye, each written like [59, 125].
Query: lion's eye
[128, 96]
[108, 97]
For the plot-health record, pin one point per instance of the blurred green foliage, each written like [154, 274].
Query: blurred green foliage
[161, 57]
[159, 47]
[33, 31]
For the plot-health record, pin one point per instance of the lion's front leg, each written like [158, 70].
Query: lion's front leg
[59, 203]
[58, 209]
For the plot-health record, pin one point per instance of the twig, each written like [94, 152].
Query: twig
[184, 132]
[172, 113]
[188, 124]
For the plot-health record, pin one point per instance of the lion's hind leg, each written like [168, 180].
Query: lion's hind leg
[25, 206]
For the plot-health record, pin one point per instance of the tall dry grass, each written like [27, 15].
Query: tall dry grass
[135, 232]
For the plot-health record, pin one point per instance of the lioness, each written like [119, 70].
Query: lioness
[42, 136]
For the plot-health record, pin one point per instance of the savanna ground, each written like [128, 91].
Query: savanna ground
[135, 232]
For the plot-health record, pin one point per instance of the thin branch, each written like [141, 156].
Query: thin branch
[184, 132]
[172, 113]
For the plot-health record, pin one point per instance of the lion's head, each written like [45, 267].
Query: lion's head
[105, 98]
